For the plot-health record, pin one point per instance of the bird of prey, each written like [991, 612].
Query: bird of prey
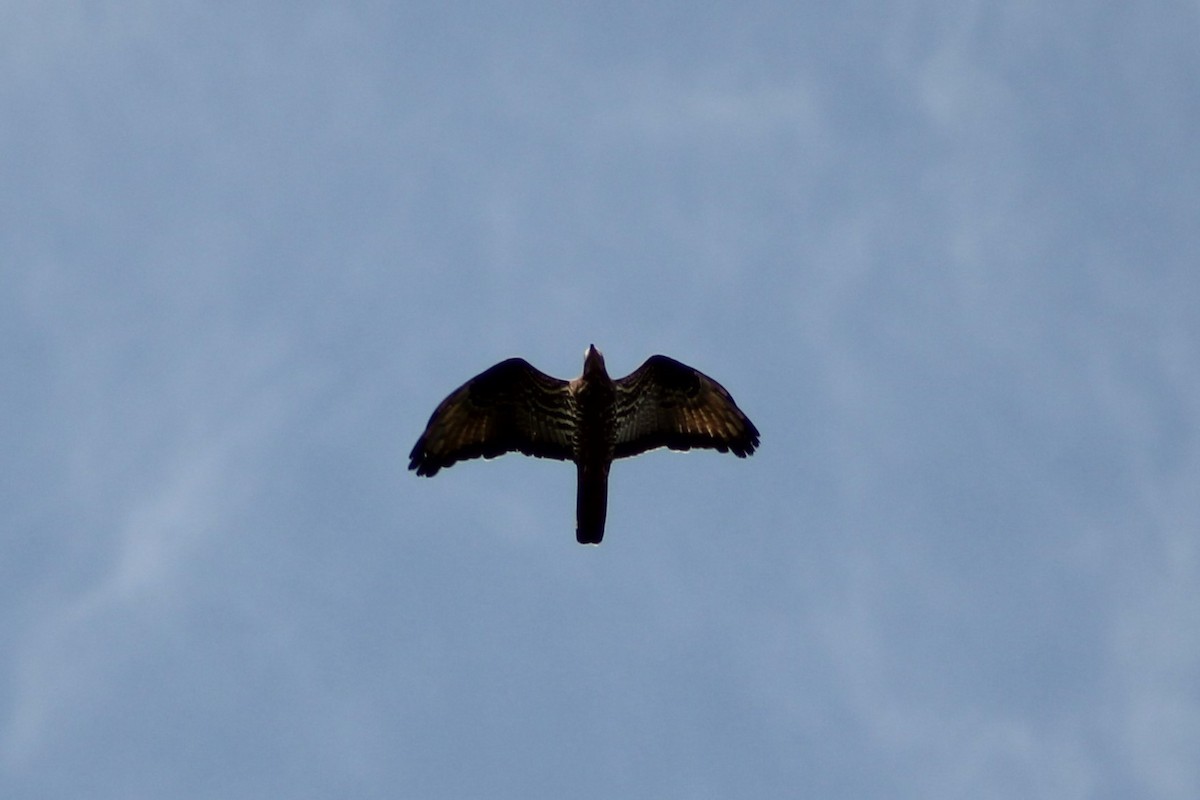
[590, 421]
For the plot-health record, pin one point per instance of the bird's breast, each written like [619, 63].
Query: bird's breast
[595, 434]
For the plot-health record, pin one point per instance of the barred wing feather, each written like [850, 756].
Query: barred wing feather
[665, 403]
[510, 407]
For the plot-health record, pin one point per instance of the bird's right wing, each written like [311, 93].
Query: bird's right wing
[664, 403]
[510, 407]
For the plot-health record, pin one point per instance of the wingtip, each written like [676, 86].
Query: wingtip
[420, 462]
[747, 449]
[423, 469]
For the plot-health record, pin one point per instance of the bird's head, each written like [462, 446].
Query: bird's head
[593, 362]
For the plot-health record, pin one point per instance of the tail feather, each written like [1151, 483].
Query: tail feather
[591, 504]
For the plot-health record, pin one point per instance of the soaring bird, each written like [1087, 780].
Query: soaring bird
[591, 420]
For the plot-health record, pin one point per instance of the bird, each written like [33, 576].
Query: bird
[592, 420]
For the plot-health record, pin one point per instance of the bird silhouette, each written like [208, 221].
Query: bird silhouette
[592, 420]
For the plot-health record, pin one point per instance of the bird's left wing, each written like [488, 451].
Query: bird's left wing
[664, 403]
[510, 407]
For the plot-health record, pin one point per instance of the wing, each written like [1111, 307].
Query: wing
[510, 407]
[664, 403]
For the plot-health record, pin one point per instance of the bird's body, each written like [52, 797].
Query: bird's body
[595, 439]
[591, 421]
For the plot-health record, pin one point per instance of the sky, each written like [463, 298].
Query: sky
[943, 254]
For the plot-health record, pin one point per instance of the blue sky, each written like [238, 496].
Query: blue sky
[943, 254]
